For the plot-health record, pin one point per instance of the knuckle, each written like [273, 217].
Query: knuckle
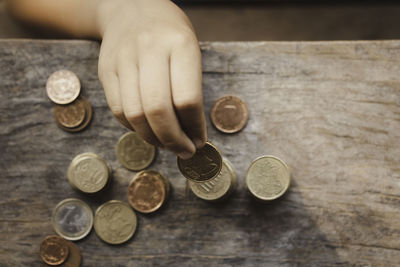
[157, 112]
[191, 103]
[117, 111]
[145, 38]
[135, 117]
[184, 38]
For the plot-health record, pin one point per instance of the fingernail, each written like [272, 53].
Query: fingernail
[185, 155]
[198, 143]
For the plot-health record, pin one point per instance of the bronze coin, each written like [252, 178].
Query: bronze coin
[54, 250]
[70, 115]
[147, 191]
[229, 114]
[74, 258]
[205, 164]
[86, 121]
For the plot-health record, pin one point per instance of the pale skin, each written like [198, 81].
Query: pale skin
[149, 63]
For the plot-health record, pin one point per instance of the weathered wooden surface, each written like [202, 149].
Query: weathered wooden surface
[331, 110]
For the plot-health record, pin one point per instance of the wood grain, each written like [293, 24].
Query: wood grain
[331, 110]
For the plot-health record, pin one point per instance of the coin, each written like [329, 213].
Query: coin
[218, 188]
[74, 258]
[148, 191]
[133, 152]
[86, 121]
[88, 173]
[70, 115]
[268, 178]
[205, 164]
[63, 87]
[115, 222]
[72, 219]
[229, 114]
[54, 250]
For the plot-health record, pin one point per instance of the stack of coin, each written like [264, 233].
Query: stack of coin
[72, 112]
[55, 250]
[115, 222]
[133, 152]
[218, 188]
[72, 219]
[229, 114]
[89, 173]
[205, 164]
[267, 178]
[148, 191]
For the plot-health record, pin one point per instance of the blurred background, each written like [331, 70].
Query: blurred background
[273, 20]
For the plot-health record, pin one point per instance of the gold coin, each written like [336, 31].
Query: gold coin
[63, 87]
[133, 152]
[148, 191]
[115, 222]
[88, 173]
[74, 258]
[268, 178]
[219, 187]
[54, 250]
[205, 164]
[72, 219]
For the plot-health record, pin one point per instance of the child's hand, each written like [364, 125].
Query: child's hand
[150, 68]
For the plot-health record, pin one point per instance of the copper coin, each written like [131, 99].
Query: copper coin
[63, 87]
[229, 114]
[205, 164]
[147, 191]
[54, 250]
[74, 258]
[71, 115]
[86, 121]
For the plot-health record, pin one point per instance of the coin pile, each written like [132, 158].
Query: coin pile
[89, 173]
[56, 250]
[210, 178]
[72, 112]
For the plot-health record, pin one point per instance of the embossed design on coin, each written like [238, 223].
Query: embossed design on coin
[229, 114]
[205, 164]
[74, 258]
[88, 173]
[133, 152]
[115, 222]
[85, 122]
[54, 250]
[72, 219]
[70, 115]
[268, 178]
[217, 188]
[148, 191]
[63, 87]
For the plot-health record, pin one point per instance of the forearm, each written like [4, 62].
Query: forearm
[75, 17]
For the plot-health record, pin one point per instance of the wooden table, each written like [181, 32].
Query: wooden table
[331, 110]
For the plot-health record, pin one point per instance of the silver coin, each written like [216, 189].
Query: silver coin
[63, 87]
[72, 219]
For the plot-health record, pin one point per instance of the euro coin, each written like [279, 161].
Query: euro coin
[218, 188]
[88, 173]
[268, 178]
[54, 250]
[71, 115]
[148, 191]
[72, 219]
[133, 152]
[115, 222]
[85, 122]
[63, 87]
[229, 114]
[205, 164]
